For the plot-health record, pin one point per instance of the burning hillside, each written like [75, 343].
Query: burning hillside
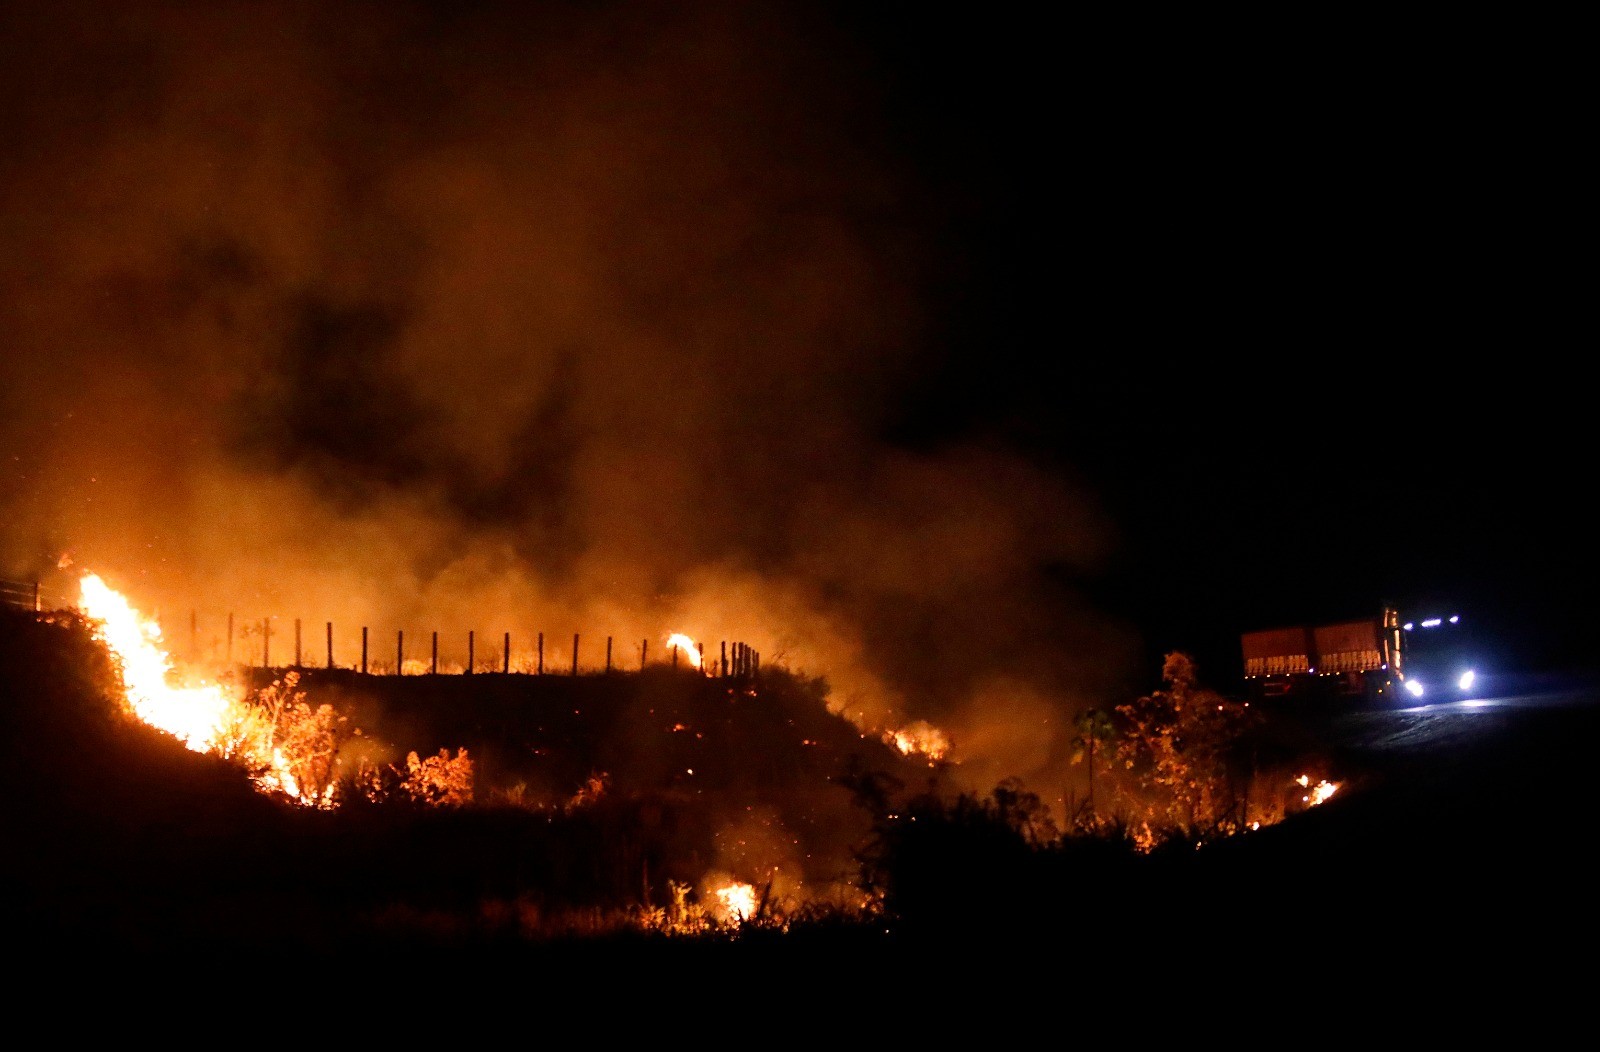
[530, 807]
[742, 774]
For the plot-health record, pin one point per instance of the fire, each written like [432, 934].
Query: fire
[206, 718]
[687, 645]
[1319, 792]
[194, 715]
[920, 737]
[738, 900]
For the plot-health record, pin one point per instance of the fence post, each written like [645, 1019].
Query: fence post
[644, 653]
[400, 652]
[297, 642]
[470, 644]
[507, 661]
[574, 653]
[724, 659]
[266, 649]
[541, 653]
[330, 644]
[363, 650]
[608, 653]
[436, 653]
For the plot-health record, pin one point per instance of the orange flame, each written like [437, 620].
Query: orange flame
[1319, 792]
[738, 901]
[203, 717]
[194, 715]
[920, 737]
[687, 645]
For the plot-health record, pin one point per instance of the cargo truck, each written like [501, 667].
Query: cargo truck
[1393, 658]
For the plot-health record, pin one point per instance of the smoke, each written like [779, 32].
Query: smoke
[577, 319]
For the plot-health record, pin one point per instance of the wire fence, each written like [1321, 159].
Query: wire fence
[268, 643]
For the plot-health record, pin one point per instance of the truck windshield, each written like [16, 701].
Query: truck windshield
[1435, 639]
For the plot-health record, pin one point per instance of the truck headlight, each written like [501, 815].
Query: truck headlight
[1415, 687]
[1466, 680]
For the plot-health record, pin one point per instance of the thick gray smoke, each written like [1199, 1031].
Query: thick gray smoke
[536, 318]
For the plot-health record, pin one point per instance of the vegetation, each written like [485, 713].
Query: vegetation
[626, 812]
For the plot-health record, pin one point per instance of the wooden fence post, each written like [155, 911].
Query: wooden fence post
[608, 653]
[400, 652]
[507, 662]
[574, 653]
[435, 653]
[470, 644]
[541, 653]
[644, 653]
[330, 644]
[363, 650]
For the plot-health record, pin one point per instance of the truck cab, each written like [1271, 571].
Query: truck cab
[1438, 659]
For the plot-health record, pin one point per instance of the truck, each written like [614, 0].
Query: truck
[1422, 655]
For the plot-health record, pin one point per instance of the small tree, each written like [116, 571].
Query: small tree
[1174, 754]
[285, 743]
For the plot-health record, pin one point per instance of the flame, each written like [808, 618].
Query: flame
[203, 717]
[920, 737]
[687, 645]
[738, 900]
[1319, 792]
[194, 715]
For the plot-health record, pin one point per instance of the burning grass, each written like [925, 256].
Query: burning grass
[480, 810]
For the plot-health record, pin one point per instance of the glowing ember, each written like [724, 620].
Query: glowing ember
[920, 737]
[194, 715]
[687, 645]
[738, 901]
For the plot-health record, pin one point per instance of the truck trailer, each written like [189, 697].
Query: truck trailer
[1393, 657]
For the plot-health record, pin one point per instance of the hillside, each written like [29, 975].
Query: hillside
[602, 801]
[594, 797]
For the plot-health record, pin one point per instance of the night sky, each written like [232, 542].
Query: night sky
[972, 361]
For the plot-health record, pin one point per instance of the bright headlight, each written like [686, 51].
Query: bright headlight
[1465, 682]
[1415, 687]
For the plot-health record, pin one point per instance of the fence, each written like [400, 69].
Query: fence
[733, 659]
[251, 643]
[21, 594]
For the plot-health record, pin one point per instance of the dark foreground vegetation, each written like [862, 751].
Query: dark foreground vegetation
[587, 838]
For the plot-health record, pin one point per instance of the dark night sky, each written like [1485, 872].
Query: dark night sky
[977, 358]
[1298, 298]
